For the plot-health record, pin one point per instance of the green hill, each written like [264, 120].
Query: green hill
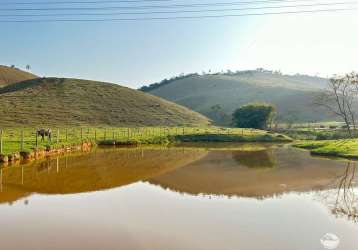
[69, 102]
[9, 75]
[218, 95]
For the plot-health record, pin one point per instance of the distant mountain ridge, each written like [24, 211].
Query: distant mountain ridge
[218, 95]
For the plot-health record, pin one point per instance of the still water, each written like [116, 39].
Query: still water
[192, 196]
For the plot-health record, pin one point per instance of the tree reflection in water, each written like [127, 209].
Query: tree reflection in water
[262, 158]
[342, 197]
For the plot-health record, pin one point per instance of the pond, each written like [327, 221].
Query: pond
[190, 196]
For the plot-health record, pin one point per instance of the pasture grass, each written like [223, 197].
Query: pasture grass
[337, 148]
[62, 102]
[24, 139]
[318, 134]
[10, 75]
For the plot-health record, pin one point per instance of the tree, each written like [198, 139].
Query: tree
[28, 67]
[339, 99]
[219, 116]
[216, 108]
[289, 119]
[254, 115]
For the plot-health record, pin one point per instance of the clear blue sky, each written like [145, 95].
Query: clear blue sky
[133, 53]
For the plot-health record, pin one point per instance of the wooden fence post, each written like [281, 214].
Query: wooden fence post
[22, 140]
[37, 139]
[95, 134]
[1, 142]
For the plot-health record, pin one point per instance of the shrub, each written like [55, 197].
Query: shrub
[253, 115]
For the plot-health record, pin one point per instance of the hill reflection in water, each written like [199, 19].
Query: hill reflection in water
[253, 170]
[212, 196]
[100, 170]
[243, 170]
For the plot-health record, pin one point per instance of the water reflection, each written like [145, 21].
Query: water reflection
[261, 158]
[342, 195]
[263, 173]
[241, 170]
[202, 197]
[103, 169]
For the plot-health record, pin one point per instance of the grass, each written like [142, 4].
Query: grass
[12, 75]
[292, 95]
[317, 134]
[311, 125]
[61, 102]
[62, 137]
[337, 148]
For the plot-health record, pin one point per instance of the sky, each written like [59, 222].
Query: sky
[134, 53]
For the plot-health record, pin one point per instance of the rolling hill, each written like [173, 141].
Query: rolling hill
[74, 102]
[218, 95]
[10, 75]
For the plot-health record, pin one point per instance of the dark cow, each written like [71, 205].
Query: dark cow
[44, 132]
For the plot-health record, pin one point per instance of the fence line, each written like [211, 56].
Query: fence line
[1, 141]
[15, 140]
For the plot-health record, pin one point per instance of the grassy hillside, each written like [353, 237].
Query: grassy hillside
[292, 95]
[10, 75]
[73, 102]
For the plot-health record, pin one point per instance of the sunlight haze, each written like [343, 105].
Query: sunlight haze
[133, 53]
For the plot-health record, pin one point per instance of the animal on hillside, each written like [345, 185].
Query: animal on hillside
[44, 132]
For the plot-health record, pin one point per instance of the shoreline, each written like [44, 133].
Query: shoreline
[347, 149]
[37, 154]
[26, 157]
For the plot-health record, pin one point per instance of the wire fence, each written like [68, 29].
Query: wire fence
[15, 140]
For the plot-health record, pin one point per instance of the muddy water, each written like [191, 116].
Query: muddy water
[212, 196]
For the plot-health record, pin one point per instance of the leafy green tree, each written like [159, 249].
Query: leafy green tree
[254, 115]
